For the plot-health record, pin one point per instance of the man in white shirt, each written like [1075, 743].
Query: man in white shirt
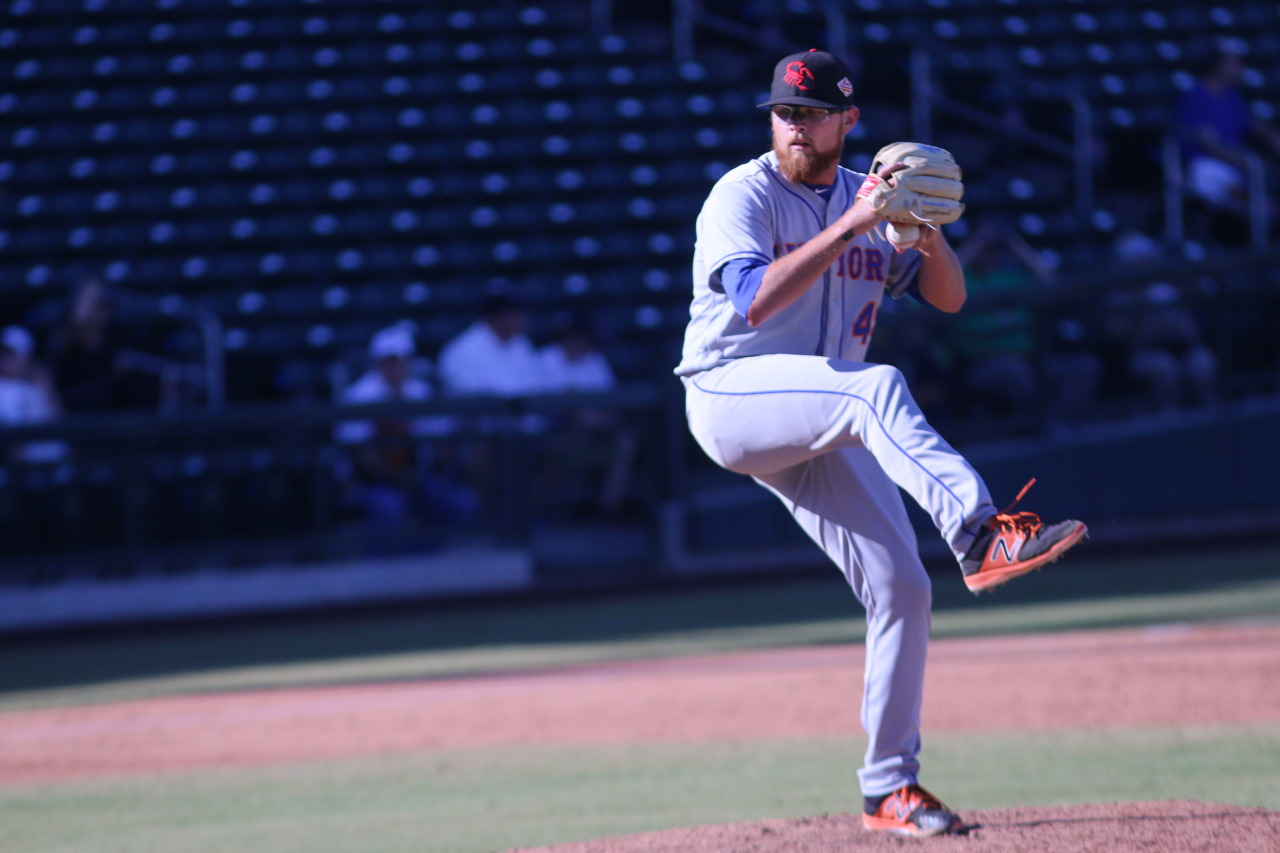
[573, 362]
[27, 395]
[596, 459]
[494, 355]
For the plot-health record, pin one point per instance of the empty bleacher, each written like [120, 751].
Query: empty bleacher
[309, 172]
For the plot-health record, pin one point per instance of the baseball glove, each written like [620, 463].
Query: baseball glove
[928, 190]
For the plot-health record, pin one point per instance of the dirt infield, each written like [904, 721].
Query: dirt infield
[1131, 678]
[1167, 827]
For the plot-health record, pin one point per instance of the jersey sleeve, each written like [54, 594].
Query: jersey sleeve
[904, 275]
[739, 279]
[736, 224]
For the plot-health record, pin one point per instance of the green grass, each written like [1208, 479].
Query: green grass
[467, 801]
[1224, 764]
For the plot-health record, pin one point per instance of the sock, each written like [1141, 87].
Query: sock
[870, 805]
[980, 542]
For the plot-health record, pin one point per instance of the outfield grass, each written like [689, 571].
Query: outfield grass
[467, 801]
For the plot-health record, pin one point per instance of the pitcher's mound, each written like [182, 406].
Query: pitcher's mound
[1162, 827]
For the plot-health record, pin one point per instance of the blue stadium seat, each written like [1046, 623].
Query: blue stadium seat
[393, 149]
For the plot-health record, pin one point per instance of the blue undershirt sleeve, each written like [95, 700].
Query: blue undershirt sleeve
[739, 280]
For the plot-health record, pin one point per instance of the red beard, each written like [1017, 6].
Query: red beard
[803, 167]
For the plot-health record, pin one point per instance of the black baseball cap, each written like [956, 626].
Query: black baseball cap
[814, 78]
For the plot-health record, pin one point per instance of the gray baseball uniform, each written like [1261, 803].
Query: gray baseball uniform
[792, 403]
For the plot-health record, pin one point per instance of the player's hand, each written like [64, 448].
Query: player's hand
[930, 236]
[885, 173]
[887, 170]
[861, 217]
[928, 190]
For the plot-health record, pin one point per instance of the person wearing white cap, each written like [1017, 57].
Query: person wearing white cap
[392, 462]
[390, 377]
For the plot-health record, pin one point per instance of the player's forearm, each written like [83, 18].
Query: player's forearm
[788, 277]
[941, 276]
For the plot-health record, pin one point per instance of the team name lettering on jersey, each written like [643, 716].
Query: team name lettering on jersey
[857, 263]
[861, 263]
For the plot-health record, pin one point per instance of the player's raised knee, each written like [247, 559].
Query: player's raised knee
[888, 374]
[872, 377]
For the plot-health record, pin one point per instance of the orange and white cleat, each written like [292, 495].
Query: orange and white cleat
[911, 810]
[1012, 545]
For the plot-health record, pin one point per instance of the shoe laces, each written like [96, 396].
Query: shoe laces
[1026, 522]
[916, 797]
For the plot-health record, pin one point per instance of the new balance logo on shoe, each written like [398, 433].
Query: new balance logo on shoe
[1012, 545]
[912, 810]
[902, 809]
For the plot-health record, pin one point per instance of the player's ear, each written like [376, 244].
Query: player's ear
[850, 118]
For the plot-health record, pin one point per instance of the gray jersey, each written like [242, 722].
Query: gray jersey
[755, 213]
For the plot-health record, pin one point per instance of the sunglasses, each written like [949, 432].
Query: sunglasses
[803, 115]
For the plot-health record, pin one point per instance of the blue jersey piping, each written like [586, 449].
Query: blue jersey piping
[862, 400]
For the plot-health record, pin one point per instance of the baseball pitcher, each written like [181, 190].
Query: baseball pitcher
[791, 264]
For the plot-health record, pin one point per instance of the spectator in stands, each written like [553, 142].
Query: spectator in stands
[1021, 366]
[1215, 127]
[397, 472]
[27, 396]
[593, 464]
[1169, 362]
[921, 349]
[85, 354]
[574, 362]
[1086, 348]
[92, 369]
[494, 355]
[995, 341]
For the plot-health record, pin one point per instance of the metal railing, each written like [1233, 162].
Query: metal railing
[925, 100]
[140, 457]
[687, 16]
[1175, 193]
[209, 374]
